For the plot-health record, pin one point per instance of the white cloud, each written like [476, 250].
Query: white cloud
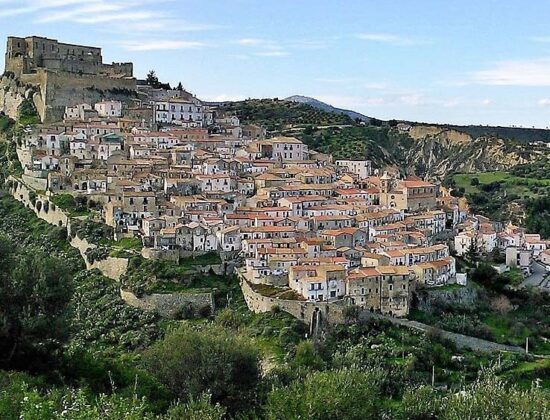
[516, 73]
[309, 44]
[250, 41]
[544, 102]
[541, 39]
[375, 101]
[336, 80]
[376, 85]
[139, 16]
[160, 45]
[487, 102]
[413, 99]
[391, 39]
[272, 53]
[452, 103]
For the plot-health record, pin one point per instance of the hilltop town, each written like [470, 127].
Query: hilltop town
[166, 257]
[188, 179]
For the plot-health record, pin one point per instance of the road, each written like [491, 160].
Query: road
[539, 278]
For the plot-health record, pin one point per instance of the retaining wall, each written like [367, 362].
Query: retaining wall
[169, 305]
[53, 216]
[111, 267]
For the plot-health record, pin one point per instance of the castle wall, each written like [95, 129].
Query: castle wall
[66, 89]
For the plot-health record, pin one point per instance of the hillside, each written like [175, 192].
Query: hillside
[279, 115]
[425, 150]
[326, 107]
[520, 134]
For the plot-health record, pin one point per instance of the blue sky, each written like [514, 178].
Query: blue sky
[483, 62]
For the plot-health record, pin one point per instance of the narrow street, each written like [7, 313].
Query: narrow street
[539, 278]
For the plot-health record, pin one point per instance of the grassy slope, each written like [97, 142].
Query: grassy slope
[512, 183]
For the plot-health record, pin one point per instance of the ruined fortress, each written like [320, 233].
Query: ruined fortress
[55, 75]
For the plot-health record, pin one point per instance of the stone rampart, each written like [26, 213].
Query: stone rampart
[69, 89]
[170, 305]
[45, 211]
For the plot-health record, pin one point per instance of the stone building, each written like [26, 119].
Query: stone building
[26, 55]
[57, 76]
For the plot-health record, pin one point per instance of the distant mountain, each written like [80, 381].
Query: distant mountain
[315, 103]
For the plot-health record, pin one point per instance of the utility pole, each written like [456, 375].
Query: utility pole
[527, 345]
[433, 376]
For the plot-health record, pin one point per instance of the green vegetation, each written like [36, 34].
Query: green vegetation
[505, 196]
[276, 115]
[192, 361]
[74, 206]
[24, 229]
[27, 114]
[360, 142]
[108, 321]
[35, 290]
[519, 134]
[500, 313]
[520, 185]
[9, 132]
[329, 395]
[146, 276]
[94, 232]
[538, 216]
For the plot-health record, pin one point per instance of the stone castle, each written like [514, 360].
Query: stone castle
[55, 75]
[28, 55]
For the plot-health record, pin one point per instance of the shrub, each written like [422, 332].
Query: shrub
[340, 394]
[191, 361]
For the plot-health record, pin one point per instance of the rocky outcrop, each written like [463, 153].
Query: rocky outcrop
[12, 94]
[430, 300]
[437, 151]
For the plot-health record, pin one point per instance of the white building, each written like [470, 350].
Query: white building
[178, 111]
[361, 168]
[109, 108]
[76, 112]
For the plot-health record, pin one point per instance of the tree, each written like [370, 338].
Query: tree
[152, 79]
[338, 394]
[307, 356]
[180, 87]
[486, 275]
[474, 182]
[472, 252]
[35, 290]
[190, 362]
